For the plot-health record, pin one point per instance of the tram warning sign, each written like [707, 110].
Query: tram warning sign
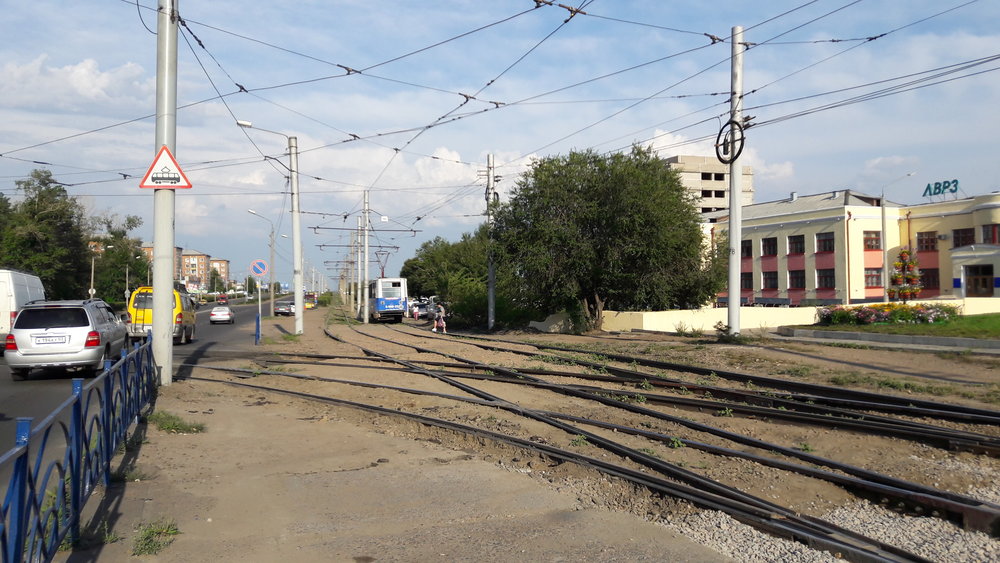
[164, 172]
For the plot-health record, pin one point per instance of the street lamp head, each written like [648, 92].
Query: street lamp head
[252, 212]
[245, 124]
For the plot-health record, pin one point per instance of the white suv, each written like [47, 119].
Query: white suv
[63, 334]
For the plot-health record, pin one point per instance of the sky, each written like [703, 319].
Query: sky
[405, 99]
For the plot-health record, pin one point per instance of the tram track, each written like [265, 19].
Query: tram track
[683, 483]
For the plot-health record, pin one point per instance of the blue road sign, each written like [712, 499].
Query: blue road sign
[258, 268]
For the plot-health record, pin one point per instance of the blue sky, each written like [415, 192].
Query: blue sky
[405, 100]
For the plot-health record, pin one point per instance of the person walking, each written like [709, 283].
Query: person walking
[439, 315]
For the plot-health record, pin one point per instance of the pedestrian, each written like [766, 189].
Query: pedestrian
[439, 315]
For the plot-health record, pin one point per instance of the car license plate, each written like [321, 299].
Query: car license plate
[50, 340]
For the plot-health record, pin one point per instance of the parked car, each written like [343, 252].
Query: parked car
[222, 300]
[419, 310]
[286, 308]
[63, 334]
[222, 314]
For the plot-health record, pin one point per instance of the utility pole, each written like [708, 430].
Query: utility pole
[365, 262]
[164, 199]
[491, 197]
[735, 182]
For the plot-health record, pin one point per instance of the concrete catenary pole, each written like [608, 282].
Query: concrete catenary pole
[491, 277]
[357, 268]
[364, 266]
[735, 184]
[164, 198]
[297, 285]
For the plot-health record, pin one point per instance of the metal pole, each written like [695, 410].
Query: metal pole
[293, 151]
[164, 199]
[735, 187]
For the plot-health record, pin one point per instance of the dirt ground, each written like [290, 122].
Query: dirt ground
[275, 478]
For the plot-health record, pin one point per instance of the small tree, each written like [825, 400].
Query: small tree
[905, 277]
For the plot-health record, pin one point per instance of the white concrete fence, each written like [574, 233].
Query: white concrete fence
[752, 319]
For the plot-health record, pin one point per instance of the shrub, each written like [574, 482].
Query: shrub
[887, 313]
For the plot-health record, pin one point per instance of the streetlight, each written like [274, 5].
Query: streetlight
[885, 240]
[97, 249]
[127, 260]
[293, 156]
[270, 267]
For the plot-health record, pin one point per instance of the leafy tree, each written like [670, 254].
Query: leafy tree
[121, 257]
[585, 232]
[45, 234]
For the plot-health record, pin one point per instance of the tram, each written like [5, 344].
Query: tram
[387, 299]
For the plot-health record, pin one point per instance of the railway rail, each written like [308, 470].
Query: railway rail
[476, 383]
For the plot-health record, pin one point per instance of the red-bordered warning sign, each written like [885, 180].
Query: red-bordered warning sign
[165, 172]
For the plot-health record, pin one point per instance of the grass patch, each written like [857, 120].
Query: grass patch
[859, 380]
[290, 337]
[169, 422]
[128, 475]
[152, 538]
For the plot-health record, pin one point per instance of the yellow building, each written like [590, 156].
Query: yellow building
[830, 248]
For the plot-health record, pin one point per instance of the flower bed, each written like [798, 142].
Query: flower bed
[887, 313]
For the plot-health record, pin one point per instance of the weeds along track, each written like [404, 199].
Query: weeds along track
[764, 456]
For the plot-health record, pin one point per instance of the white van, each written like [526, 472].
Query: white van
[16, 289]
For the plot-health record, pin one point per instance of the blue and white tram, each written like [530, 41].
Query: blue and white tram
[387, 299]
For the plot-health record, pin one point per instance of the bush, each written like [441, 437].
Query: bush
[887, 313]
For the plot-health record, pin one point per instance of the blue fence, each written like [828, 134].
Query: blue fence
[55, 465]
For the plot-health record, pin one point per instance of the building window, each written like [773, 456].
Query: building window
[706, 193]
[873, 277]
[769, 280]
[797, 244]
[706, 175]
[769, 246]
[963, 237]
[746, 280]
[746, 248]
[930, 278]
[873, 240]
[824, 242]
[707, 210]
[826, 279]
[796, 279]
[720, 176]
[720, 193]
[927, 241]
[991, 234]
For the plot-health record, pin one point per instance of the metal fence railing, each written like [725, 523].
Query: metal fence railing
[55, 464]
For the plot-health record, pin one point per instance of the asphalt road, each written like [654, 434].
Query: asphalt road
[45, 390]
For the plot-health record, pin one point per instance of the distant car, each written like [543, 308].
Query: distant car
[286, 308]
[309, 305]
[63, 334]
[222, 314]
[222, 300]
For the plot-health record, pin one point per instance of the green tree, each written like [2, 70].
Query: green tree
[44, 233]
[585, 232]
[121, 257]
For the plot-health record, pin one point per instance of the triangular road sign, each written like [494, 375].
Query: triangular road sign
[164, 172]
